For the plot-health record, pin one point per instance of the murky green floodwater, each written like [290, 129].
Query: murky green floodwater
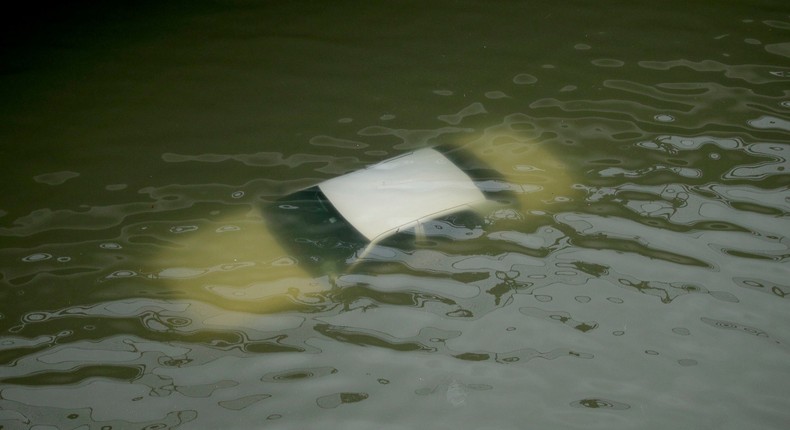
[644, 287]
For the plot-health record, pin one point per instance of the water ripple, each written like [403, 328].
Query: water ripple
[750, 73]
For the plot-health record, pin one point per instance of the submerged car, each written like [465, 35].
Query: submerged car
[444, 197]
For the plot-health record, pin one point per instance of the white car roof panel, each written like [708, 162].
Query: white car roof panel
[399, 192]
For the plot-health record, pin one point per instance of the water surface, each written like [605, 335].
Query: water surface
[642, 283]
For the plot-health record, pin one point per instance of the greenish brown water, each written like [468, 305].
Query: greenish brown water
[646, 290]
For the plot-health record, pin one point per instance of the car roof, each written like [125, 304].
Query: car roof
[398, 193]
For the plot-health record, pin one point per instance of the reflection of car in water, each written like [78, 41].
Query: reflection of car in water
[336, 221]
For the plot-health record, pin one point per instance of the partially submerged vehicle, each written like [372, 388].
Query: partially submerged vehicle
[299, 243]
